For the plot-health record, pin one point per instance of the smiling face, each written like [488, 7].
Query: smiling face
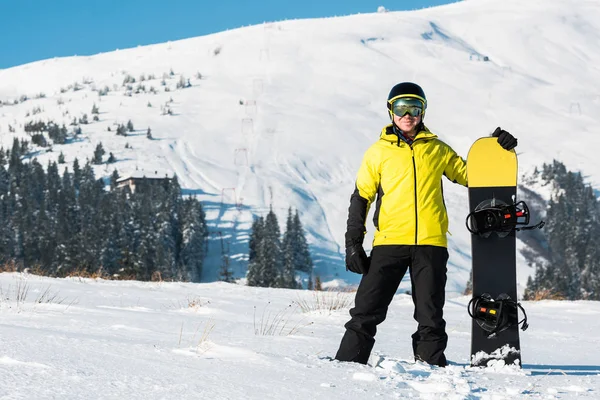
[407, 124]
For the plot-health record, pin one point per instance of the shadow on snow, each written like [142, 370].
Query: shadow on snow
[571, 370]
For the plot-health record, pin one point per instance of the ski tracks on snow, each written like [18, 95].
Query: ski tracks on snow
[185, 163]
[300, 174]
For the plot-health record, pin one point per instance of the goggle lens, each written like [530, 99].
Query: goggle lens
[413, 111]
[411, 106]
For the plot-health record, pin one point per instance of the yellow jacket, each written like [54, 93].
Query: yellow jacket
[407, 181]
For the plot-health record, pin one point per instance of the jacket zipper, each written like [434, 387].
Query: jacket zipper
[415, 183]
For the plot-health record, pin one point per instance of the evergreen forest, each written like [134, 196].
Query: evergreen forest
[70, 223]
[274, 261]
[570, 247]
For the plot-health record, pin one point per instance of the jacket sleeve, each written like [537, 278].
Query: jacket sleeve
[367, 183]
[456, 168]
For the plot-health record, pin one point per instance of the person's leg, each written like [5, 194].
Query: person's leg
[375, 292]
[428, 276]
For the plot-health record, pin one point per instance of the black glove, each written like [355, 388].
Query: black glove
[505, 139]
[356, 259]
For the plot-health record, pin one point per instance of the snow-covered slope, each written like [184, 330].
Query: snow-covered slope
[84, 339]
[284, 111]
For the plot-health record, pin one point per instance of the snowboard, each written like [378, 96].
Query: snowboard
[492, 176]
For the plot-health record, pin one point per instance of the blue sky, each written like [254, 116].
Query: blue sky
[39, 29]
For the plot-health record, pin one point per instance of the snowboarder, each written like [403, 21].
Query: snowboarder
[404, 170]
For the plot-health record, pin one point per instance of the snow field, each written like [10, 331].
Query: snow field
[109, 339]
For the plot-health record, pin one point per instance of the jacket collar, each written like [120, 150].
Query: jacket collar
[387, 134]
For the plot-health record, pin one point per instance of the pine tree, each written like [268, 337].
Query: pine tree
[14, 163]
[109, 219]
[255, 237]
[98, 153]
[296, 254]
[303, 260]
[144, 234]
[53, 187]
[114, 179]
[173, 208]
[24, 147]
[125, 235]
[254, 276]
[27, 250]
[45, 238]
[143, 263]
[590, 276]
[287, 278]
[37, 189]
[193, 232]
[57, 134]
[88, 244]
[5, 228]
[270, 251]
[76, 174]
[165, 240]
[590, 261]
[4, 181]
[67, 227]
[121, 130]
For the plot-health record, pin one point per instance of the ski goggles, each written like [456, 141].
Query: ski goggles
[406, 105]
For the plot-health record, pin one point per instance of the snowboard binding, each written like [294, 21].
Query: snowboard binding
[495, 316]
[496, 216]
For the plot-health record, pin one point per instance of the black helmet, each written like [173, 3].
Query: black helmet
[406, 89]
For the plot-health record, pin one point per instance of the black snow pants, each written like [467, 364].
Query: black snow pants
[427, 265]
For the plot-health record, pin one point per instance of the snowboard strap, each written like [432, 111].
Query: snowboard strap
[500, 218]
[495, 316]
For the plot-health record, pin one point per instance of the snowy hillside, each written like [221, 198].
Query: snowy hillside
[281, 113]
[83, 339]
